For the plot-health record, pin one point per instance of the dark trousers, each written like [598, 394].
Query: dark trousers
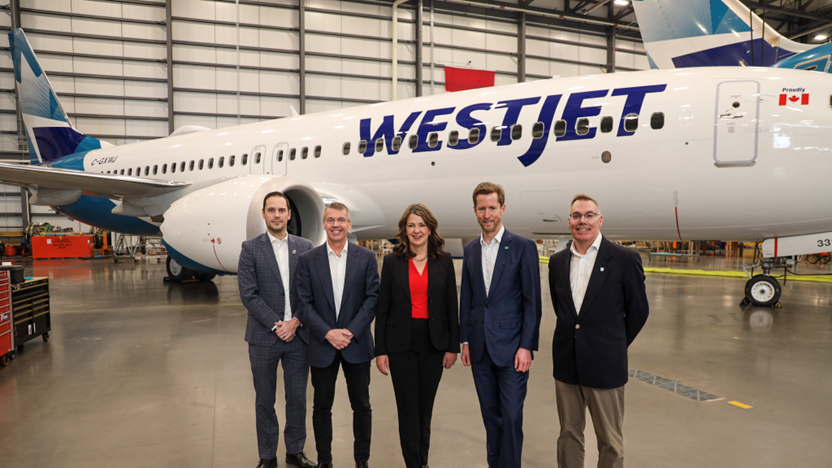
[416, 375]
[502, 392]
[264, 361]
[358, 388]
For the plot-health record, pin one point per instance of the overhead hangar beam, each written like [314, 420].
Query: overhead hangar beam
[787, 11]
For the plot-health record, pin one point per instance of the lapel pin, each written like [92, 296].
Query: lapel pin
[602, 268]
[294, 252]
[506, 247]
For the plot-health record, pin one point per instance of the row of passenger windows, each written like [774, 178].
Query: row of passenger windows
[220, 162]
[516, 132]
[304, 153]
[186, 165]
[538, 129]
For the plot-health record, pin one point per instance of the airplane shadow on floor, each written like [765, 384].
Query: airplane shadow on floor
[193, 292]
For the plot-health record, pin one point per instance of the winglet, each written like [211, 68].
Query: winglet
[49, 132]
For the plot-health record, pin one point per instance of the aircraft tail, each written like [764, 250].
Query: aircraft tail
[49, 133]
[697, 33]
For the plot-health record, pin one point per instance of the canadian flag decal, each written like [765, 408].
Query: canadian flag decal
[798, 99]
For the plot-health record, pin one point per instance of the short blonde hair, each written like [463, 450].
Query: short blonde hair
[339, 207]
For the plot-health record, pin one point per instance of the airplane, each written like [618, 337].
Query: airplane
[700, 33]
[699, 153]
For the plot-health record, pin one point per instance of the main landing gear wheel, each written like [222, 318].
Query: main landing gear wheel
[177, 272]
[762, 290]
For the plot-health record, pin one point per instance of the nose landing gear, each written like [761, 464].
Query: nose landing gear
[763, 289]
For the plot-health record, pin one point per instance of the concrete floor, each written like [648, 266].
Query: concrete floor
[143, 373]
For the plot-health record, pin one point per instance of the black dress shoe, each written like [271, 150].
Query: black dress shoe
[299, 459]
[324, 465]
[362, 465]
[267, 463]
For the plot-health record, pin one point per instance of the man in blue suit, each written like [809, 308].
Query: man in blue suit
[338, 292]
[499, 313]
[266, 276]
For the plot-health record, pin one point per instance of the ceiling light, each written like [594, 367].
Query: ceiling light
[621, 2]
[820, 37]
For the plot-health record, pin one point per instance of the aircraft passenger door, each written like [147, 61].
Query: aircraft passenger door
[280, 159]
[260, 163]
[736, 123]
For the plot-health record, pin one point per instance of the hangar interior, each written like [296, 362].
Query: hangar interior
[143, 373]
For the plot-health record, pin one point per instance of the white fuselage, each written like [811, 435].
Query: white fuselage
[659, 184]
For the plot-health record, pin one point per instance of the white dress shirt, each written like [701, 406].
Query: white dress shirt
[489, 257]
[337, 270]
[281, 254]
[580, 270]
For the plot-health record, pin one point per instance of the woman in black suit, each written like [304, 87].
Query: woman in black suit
[417, 326]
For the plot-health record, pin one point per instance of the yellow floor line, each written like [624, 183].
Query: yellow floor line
[720, 274]
[741, 405]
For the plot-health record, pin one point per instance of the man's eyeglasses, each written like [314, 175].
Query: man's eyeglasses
[589, 217]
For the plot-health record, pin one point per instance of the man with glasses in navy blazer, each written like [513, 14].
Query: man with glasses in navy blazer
[338, 291]
[499, 313]
[266, 277]
[601, 305]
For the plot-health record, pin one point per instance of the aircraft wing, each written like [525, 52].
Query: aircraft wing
[101, 185]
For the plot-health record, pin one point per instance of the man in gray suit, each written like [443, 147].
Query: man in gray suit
[338, 294]
[266, 277]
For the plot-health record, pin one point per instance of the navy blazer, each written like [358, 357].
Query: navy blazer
[395, 309]
[316, 304]
[508, 318]
[261, 287]
[590, 348]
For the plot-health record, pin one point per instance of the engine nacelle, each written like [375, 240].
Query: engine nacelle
[204, 230]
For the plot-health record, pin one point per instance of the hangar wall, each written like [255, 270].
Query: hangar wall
[124, 76]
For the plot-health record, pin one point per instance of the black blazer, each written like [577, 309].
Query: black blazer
[590, 348]
[394, 314]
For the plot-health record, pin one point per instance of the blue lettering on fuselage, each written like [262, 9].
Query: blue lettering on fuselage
[465, 120]
[573, 111]
[635, 98]
[513, 109]
[428, 126]
[547, 114]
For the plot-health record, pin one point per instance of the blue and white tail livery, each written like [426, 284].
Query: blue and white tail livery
[703, 33]
[49, 133]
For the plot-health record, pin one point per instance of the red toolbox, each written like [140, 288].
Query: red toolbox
[62, 246]
[6, 335]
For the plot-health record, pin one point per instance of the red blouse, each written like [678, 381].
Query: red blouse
[418, 291]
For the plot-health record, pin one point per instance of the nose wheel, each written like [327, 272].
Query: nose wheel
[177, 272]
[762, 290]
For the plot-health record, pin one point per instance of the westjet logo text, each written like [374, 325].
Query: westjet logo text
[471, 116]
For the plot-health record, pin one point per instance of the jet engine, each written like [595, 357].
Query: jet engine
[205, 229]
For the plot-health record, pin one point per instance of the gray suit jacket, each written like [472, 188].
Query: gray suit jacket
[316, 305]
[261, 287]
